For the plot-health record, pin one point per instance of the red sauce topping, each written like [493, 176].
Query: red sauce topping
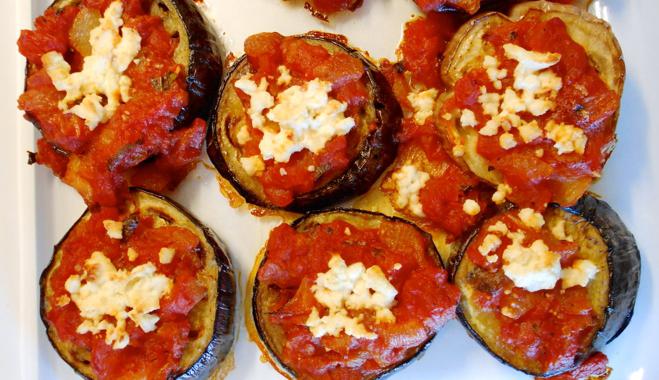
[154, 355]
[595, 367]
[584, 101]
[551, 326]
[324, 8]
[425, 299]
[102, 163]
[282, 181]
[443, 196]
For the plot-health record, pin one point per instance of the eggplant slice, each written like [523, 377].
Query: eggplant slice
[602, 238]
[198, 53]
[376, 150]
[213, 317]
[465, 51]
[272, 337]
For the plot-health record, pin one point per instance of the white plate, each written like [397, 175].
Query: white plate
[37, 209]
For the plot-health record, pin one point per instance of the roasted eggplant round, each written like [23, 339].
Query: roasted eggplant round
[405, 295]
[534, 100]
[120, 90]
[112, 261]
[348, 163]
[542, 294]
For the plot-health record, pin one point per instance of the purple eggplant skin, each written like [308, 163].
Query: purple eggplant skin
[223, 335]
[204, 63]
[624, 262]
[377, 153]
[307, 221]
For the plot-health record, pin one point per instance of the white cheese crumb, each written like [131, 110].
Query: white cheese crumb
[113, 228]
[532, 268]
[503, 190]
[491, 128]
[490, 244]
[102, 291]
[423, 103]
[284, 76]
[347, 231]
[397, 266]
[567, 138]
[530, 131]
[243, 136]
[166, 255]
[492, 258]
[282, 172]
[132, 254]
[531, 218]
[489, 102]
[353, 287]
[260, 98]
[409, 181]
[499, 227]
[579, 274]
[468, 118]
[507, 141]
[252, 165]
[311, 168]
[471, 207]
[113, 49]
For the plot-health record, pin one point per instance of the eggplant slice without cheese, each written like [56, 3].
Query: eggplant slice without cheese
[372, 149]
[279, 309]
[597, 235]
[211, 320]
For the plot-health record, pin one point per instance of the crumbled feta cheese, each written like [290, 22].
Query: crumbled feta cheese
[507, 141]
[166, 255]
[103, 291]
[311, 168]
[491, 65]
[489, 102]
[252, 165]
[114, 229]
[347, 231]
[532, 268]
[63, 300]
[492, 258]
[531, 218]
[397, 266]
[132, 254]
[284, 76]
[423, 103]
[353, 287]
[259, 98]
[409, 181]
[499, 227]
[243, 136]
[468, 118]
[567, 138]
[113, 49]
[282, 172]
[490, 244]
[307, 119]
[491, 128]
[579, 274]
[471, 207]
[503, 190]
[529, 131]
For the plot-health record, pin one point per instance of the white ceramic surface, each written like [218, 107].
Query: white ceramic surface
[37, 209]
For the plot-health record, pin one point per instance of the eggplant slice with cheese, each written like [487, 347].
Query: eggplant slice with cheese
[198, 53]
[209, 327]
[371, 146]
[601, 241]
[279, 310]
[558, 149]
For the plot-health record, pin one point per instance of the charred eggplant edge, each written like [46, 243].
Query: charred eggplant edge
[378, 153]
[624, 276]
[300, 222]
[203, 69]
[223, 335]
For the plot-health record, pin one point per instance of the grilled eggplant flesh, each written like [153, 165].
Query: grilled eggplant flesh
[374, 152]
[604, 240]
[212, 319]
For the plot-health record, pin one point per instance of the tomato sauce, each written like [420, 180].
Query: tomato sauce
[153, 355]
[595, 367]
[305, 171]
[324, 8]
[550, 327]
[584, 101]
[424, 42]
[102, 163]
[425, 299]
